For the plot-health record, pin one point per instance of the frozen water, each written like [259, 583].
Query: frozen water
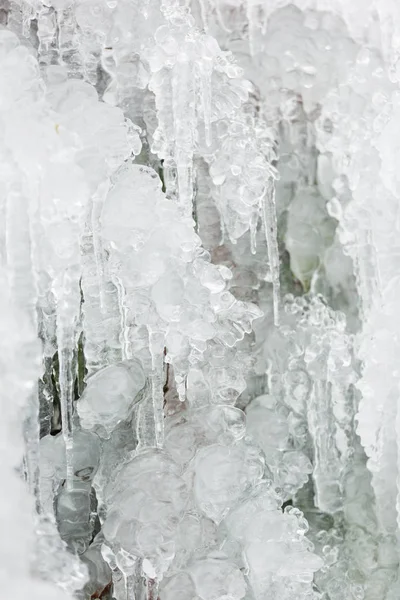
[223, 474]
[110, 396]
[199, 268]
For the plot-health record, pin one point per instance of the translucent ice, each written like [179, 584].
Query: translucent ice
[223, 475]
[199, 309]
[110, 396]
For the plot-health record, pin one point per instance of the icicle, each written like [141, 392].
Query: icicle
[257, 24]
[366, 270]
[65, 358]
[250, 24]
[326, 460]
[24, 294]
[156, 345]
[221, 18]
[253, 233]
[93, 287]
[112, 307]
[123, 315]
[205, 68]
[270, 227]
[93, 321]
[98, 201]
[68, 300]
[47, 323]
[176, 138]
[32, 436]
[145, 425]
[183, 103]
[204, 6]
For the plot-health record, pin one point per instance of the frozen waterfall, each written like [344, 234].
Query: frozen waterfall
[200, 269]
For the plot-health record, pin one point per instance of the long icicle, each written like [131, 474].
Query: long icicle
[68, 298]
[271, 234]
[93, 287]
[24, 294]
[183, 103]
[156, 345]
[205, 72]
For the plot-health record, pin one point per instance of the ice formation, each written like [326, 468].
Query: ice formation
[198, 258]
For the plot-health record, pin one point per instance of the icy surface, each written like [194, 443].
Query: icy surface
[199, 265]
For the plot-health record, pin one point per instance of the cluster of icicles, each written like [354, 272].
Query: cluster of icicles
[82, 220]
[175, 403]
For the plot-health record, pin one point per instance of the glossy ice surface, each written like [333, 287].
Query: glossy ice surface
[199, 333]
